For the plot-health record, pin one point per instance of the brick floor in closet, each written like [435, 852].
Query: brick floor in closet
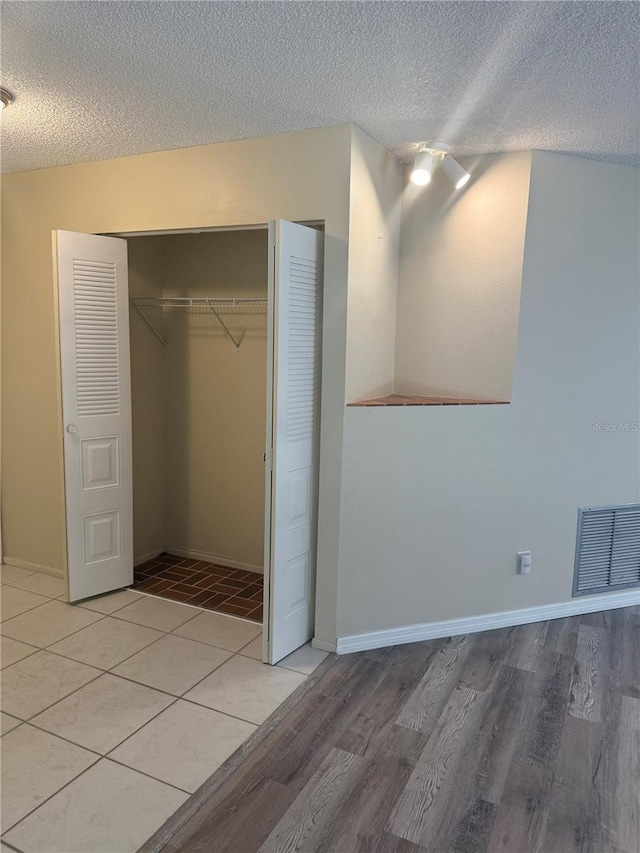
[233, 591]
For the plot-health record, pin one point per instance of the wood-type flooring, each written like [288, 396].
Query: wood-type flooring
[510, 741]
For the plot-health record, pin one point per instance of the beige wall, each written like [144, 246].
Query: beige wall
[437, 500]
[148, 382]
[215, 401]
[297, 176]
[460, 279]
[374, 236]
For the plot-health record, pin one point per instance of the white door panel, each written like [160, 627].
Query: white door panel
[96, 404]
[292, 432]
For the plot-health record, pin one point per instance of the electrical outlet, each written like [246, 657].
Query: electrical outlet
[523, 562]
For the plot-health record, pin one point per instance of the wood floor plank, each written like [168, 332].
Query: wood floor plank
[599, 619]
[526, 643]
[368, 729]
[472, 833]
[615, 801]
[501, 724]
[626, 825]
[269, 801]
[308, 745]
[394, 656]
[521, 818]
[482, 664]
[589, 677]
[423, 811]
[572, 817]
[562, 635]
[544, 721]
[384, 843]
[304, 825]
[629, 656]
[424, 707]
[361, 820]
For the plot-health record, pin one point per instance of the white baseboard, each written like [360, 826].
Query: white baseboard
[215, 558]
[473, 624]
[33, 567]
[151, 555]
[323, 646]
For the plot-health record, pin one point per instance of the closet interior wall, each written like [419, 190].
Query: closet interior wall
[199, 405]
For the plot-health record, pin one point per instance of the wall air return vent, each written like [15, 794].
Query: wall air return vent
[607, 549]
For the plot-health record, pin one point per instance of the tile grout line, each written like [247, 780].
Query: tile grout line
[148, 775]
[51, 796]
[33, 716]
[99, 758]
[114, 592]
[14, 584]
[28, 610]
[45, 648]
[166, 600]
[9, 665]
[62, 737]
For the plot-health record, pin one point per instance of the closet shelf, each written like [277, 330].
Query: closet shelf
[219, 307]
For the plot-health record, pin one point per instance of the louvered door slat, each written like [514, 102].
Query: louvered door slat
[96, 336]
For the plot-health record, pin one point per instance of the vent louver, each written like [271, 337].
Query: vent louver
[607, 549]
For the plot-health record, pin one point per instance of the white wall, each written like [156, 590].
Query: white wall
[460, 278]
[436, 501]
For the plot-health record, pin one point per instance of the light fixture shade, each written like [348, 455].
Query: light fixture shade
[5, 98]
[454, 171]
[423, 168]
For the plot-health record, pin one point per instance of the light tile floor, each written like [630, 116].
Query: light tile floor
[116, 710]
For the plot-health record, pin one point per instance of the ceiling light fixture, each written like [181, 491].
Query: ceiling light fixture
[5, 98]
[430, 156]
[454, 171]
[424, 166]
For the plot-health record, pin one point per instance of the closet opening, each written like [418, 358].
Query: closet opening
[198, 339]
[190, 367]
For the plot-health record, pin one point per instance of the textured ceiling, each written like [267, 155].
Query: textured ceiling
[95, 80]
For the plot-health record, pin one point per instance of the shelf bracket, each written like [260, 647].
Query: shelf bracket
[235, 342]
[150, 324]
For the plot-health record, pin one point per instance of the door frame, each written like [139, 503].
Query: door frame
[258, 226]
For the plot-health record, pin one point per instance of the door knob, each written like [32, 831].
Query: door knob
[72, 428]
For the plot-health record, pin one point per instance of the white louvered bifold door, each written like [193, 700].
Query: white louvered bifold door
[295, 254]
[96, 405]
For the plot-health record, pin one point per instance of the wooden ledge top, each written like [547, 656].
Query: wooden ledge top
[406, 400]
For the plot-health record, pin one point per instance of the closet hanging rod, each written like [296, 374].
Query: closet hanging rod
[214, 304]
[200, 302]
